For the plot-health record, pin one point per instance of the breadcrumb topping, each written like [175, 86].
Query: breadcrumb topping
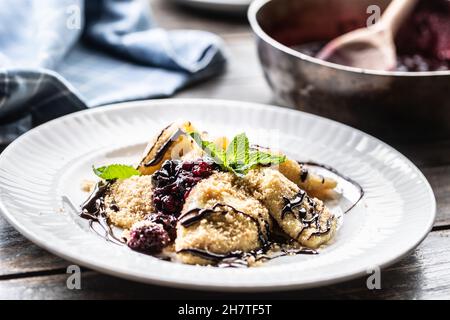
[87, 186]
[228, 230]
[271, 188]
[129, 201]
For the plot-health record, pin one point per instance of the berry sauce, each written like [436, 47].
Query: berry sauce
[174, 181]
[172, 184]
[423, 42]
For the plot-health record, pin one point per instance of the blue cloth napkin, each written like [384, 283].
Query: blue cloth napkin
[61, 56]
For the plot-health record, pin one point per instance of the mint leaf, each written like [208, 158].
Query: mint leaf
[260, 158]
[265, 158]
[210, 148]
[238, 158]
[238, 151]
[116, 171]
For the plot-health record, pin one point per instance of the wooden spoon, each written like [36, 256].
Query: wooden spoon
[372, 47]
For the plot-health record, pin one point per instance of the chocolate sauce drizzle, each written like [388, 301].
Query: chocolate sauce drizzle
[297, 201]
[93, 209]
[320, 232]
[240, 259]
[333, 170]
[162, 150]
[291, 204]
[303, 174]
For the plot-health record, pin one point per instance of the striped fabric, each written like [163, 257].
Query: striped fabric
[61, 56]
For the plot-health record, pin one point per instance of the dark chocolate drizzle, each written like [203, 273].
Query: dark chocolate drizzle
[240, 259]
[297, 201]
[92, 205]
[303, 174]
[93, 209]
[162, 150]
[320, 232]
[114, 207]
[331, 169]
[291, 204]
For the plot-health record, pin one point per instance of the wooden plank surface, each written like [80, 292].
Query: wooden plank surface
[243, 79]
[19, 256]
[423, 275]
[27, 271]
[171, 16]
[439, 178]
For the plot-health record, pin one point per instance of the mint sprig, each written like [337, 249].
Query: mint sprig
[238, 158]
[210, 148]
[238, 151]
[115, 171]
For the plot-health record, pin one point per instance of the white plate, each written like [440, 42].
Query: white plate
[36, 170]
[236, 6]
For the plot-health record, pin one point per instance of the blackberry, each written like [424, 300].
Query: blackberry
[150, 238]
[168, 222]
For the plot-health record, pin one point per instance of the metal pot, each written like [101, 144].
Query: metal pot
[399, 104]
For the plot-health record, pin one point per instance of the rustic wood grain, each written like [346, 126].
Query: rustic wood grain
[18, 255]
[425, 153]
[243, 79]
[26, 271]
[172, 16]
[422, 275]
[439, 178]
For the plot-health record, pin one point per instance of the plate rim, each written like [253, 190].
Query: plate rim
[215, 287]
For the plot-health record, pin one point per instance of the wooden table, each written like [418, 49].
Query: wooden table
[26, 271]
